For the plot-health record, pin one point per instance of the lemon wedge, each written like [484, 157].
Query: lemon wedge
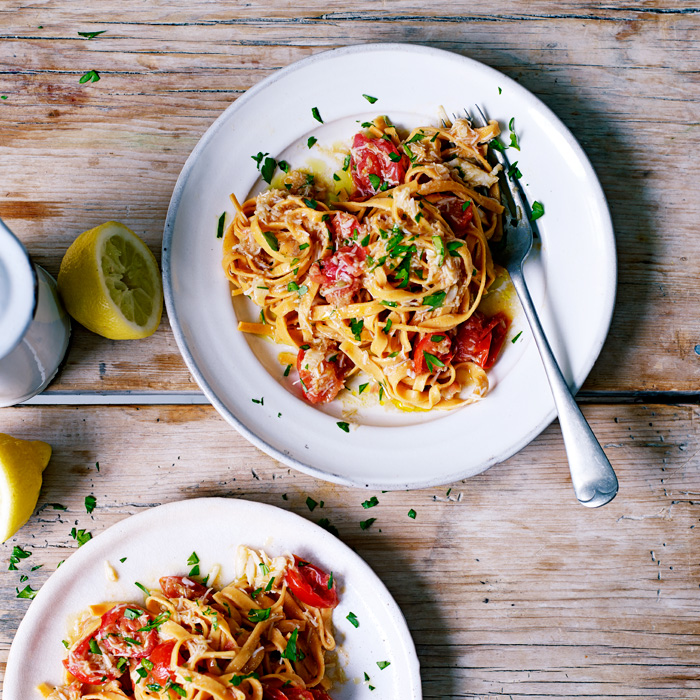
[110, 282]
[21, 465]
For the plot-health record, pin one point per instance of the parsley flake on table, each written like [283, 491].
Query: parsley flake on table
[366, 524]
[310, 503]
[91, 76]
[17, 554]
[371, 502]
[81, 536]
[90, 503]
[412, 514]
[352, 619]
[26, 592]
[326, 524]
[91, 35]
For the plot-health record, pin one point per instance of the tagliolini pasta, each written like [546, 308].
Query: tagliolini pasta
[265, 636]
[387, 279]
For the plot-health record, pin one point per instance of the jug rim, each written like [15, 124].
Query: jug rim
[18, 290]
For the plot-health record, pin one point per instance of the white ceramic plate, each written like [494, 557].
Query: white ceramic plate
[159, 541]
[572, 277]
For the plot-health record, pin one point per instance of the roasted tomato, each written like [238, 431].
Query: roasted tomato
[374, 162]
[181, 587]
[310, 584]
[340, 275]
[480, 339]
[121, 632]
[455, 213]
[346, 228]
[160, 657]
[322, 372]
[294, 694]
[90, 662]
[432, 352]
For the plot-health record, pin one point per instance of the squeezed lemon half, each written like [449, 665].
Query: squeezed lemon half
[21, 465]
[110, 283]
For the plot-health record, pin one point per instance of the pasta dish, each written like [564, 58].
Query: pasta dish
[263, 636]
[385, 275]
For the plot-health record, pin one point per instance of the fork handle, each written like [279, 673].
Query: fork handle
[592, 476]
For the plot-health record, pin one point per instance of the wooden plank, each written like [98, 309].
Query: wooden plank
[511, 589]
[622, 77]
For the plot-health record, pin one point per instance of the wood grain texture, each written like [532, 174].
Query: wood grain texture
[623, 77]
[510, 588]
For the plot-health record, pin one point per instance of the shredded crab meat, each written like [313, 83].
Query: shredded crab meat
[251, 567]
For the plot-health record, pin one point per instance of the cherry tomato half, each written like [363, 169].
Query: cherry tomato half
[160, 657]
[290, 693]
[455, 213]
[121, 632]
[310, 584]
[375, 159]
[438, 346]
[340, 275]
[181, 587]
[480, 339]
[88, 666]
[346, 228]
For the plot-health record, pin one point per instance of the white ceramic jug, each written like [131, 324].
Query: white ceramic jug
[34, 328]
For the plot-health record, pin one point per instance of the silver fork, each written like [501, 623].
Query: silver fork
[592, 476]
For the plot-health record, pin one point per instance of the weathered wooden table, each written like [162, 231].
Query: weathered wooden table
[510, 588]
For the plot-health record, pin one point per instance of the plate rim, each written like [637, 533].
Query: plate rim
[166, 510]
[610, 256]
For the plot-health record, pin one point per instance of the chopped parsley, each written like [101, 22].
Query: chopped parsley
[142, 587]
[499, 91]
[387, 327]
[291, 652]
[271, 240]
[435, 300]
[343, 426]
[259, 615]
[366, 524]
[259, 158]
[220, 226]
[356, 327]
[375, 181]
[310, 503]
[516, 337]
[432, 361]
[440, 248]
[389, 303]
[90, 503]
[371, 502]
[497, 145]
[370, 99]
[383, 664]
[95, 648]
[346, 162]
[394, 157]
[26, 592]
[412, 514]
[132, 614]
[362, 387]
[177, 688]
[352, 619]
[268, 169]
[315, 114]
[81, 536]
[311, 203]
[513, 136]
[17, 554]
[283, 166]
[330, 581]
[514, 172]
[416, 137]
[91, 76]
[287, 370]
[91, 35]
[57, 506]
[237, 680]
[452, 247]
[326, 524]
[311, 141]
[437, 338]
[537, 210]
[156, 622]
